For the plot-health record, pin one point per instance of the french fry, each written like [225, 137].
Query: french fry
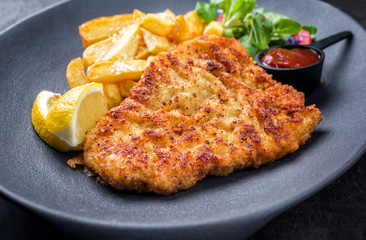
[96, 51]
[155, 43]
[170, 14]
[111, 94]
[157, 23]
[142, 52]
[182, 30]
[196, 24]
[101, 28]
[125, 46]
[109, 71]
[214, 27]
[125, 87]
[117, 46]
[148, 60]
[75, 73]
[138, 15]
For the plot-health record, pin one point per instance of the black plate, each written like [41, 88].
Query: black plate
[34, 57]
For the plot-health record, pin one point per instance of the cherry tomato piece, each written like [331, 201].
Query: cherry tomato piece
[302, 38]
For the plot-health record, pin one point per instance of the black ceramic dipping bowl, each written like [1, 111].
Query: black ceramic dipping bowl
[304, 79]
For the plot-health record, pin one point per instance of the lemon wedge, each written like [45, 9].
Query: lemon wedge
[76, 112]
[44, 101]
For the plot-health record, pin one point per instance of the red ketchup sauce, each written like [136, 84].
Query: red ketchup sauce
[290, 58]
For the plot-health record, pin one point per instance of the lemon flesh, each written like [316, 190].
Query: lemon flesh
[76, 112]
[44, 101]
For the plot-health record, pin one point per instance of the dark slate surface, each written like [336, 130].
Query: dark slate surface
[336, 212]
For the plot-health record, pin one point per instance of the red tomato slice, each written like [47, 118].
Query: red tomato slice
[303, 37]
[220, 17]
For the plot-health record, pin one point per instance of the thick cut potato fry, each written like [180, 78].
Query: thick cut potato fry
[111, 94]
[101, 28]
[158, 23]
[170, 14]
[138, 15]
[148, 60]
[214, 27]
[114, 71]
[142, 52]
[125, 87]
[196, 24]
[125, 46]
[155, 43]
[182, 30]
[96, 51]
[75, 73]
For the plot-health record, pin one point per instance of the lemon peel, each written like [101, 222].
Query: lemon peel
[76, 112]
[44, 101]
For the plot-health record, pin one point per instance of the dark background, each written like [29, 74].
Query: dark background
[336, 212]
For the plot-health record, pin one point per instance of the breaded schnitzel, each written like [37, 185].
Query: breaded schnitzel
[203, 108]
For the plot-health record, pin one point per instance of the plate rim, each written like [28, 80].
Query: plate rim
[281, 206]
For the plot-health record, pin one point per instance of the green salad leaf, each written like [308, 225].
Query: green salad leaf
[261, 30]
[255, 28]
[237, 11]
[247, 43]
[206, 11]
[287, 26]
[273, 17]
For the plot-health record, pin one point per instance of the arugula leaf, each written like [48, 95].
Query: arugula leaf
[287, 26]
[238, 10]
[224, 5]
[247, 43]
[278, 39]
[262, 31]
[241, 8]
[206, 11]
[236, 30]
[274, 17]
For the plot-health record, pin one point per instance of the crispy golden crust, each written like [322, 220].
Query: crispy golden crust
[202, 108]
